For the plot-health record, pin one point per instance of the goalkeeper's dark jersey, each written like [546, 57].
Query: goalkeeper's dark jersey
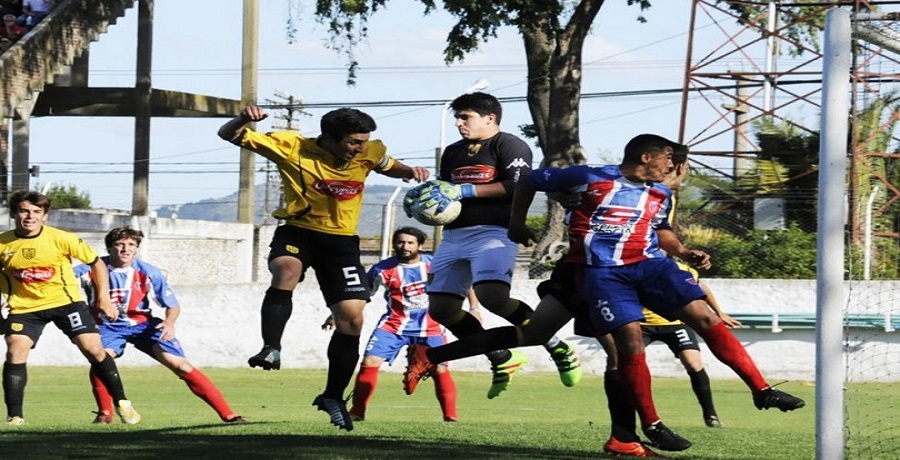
[503, 158]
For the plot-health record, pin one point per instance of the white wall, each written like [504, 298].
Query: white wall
[219, 327]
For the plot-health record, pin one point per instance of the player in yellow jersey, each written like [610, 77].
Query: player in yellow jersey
[684, 345]
[37, 277]
[323, 180]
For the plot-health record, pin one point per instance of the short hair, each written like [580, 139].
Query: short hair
[680, 154]
[36, 198]
[650, 143]
[122, 233]
[419, 235]
[481, 103]
[341, 123]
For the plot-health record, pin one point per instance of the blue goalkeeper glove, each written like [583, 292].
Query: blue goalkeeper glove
[442, 193]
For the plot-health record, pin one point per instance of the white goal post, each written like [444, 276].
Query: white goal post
[840, 28]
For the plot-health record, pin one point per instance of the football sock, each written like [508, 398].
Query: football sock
[700, 385]
[728, 349]
[343, 354]
[15, 376]
[471, 345]
[366, 380]
[621, 412]
[553, 343]
[108, 373]
[467, 325]
[445, 390]
[519, 312]
[276, 311]
[201, 386]
[103, 398]
[635, 376]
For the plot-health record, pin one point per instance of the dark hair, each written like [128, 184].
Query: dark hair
[679, 154]
[412, 231]
[341, 123]
[121, 233]
[36, 198]
[642, 143]
[481, 103]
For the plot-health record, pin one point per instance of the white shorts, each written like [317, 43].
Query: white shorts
[471, 255]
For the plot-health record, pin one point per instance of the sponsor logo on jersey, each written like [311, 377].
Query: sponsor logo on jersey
[340, 189]
[478, 174]
[29, 253]
[518, 163]
[35, 274]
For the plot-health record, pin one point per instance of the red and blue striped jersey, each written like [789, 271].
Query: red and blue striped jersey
[616, 222]
[131, 289]
[407, 301]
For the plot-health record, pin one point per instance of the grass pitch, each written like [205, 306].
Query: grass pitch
[536, 418]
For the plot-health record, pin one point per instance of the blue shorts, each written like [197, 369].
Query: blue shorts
[387, 345]
[617, 295]
[143, 336]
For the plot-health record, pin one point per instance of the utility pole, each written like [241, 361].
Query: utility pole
[249, 73]
[286, 120]
[740, 108]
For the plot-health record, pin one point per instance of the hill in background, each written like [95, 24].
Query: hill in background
[224, 209]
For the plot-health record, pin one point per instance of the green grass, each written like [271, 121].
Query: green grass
[536, 418]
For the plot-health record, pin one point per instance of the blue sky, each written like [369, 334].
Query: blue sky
[197, 48]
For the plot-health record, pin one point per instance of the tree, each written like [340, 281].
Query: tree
[553, 32]
[68, 197]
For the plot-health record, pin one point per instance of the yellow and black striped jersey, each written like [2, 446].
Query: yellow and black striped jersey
[37, 271]
[319, 193]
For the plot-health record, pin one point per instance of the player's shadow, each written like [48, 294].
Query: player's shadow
[170, 443]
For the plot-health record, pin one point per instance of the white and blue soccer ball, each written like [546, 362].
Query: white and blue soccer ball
[433, 203]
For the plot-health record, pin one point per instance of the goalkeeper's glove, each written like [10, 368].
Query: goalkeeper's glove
[442, 193]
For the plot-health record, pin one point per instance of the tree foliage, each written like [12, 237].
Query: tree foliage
[553, 32]
[68, 197]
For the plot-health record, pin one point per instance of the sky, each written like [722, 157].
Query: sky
[197, 48]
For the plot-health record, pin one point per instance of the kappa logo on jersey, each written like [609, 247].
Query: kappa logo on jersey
[478, 174]
[35, 274]
[518, 163]
[340, 189]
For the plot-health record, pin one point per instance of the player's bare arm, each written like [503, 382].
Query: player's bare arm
[232, 128]
[407, 173]
[492, 190]
[168, 324]
[670, 243]
[100, 278]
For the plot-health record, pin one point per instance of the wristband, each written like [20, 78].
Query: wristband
[467, 190]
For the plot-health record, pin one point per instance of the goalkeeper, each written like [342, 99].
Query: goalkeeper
[485, 166]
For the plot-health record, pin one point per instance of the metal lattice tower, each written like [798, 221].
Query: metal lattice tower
[741, 70]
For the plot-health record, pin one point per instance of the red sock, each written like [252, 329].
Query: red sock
[201, 386]
[728, 349]
[366, 381]
[101, 395]
[635, 376]
[445, 390]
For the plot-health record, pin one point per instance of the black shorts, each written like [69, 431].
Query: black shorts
[565, 285]
[73, 319]
[677, 336]
[334, 258]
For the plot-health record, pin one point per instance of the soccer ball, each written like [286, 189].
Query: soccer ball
[433, 203]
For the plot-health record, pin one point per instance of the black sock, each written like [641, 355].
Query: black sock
[700, 385]
[475, 344]
[521, 314]
[467, 326]
[343, 354]
[276, 311]
[621, 412]
[108, 373]
[15, 376]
